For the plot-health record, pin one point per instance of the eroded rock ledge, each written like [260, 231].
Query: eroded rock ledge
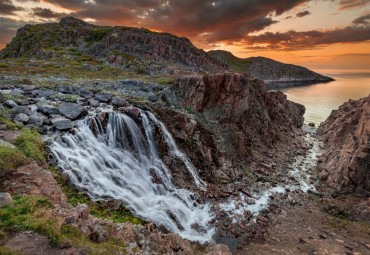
[344, 167]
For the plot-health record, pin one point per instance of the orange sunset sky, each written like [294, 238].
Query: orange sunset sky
[316, 34]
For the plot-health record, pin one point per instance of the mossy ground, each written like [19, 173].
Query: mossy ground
[36, 214]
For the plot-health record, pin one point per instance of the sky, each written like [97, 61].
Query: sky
[314, 33]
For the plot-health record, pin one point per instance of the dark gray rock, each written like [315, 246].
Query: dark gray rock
[85, 93]
[10, 103]
[65, 89]
[70, 110]
[62, 123]
[2, 107]
[103, 97]
[43, 92]
[16, 92]
[36, 120]
[22, 109]
[48, 109]
[152, 97]
[1, 97]
[21, 117]
[131, 84]
[119, 102]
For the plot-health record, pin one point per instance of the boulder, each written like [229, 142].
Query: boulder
[85, 93]
[71, 110]
[43, 92]
[36, 120]
[152, 97]
[62, 123]
[93, 103]
[22, 109]
[21, 117]
[5, 199]
[103, 97]
[65, 89]
[119, 102]
[48, 109]
[10, 103]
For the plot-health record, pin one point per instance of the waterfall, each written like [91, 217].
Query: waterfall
[123, 163]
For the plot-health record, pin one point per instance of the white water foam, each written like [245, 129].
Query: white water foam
[302, 170]
[120, 163]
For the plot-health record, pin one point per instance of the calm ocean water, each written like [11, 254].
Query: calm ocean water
[321, 98]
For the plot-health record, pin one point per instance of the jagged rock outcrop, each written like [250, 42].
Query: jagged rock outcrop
[139, 48]
[246, 120]
[345, 165]
[275, 74]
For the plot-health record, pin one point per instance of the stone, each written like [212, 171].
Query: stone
[103, 97]
[3, 143]
[48, 109]
[62, 123]
[10, 103]
[21, 117]
[152, 97]
[93, 103]
[85, 93]
[119, 102]
[43, 92]
[2, 107]
[311, 124]
[65, 89]
[71, 110]
[22, 109]
[5, 199]
[36, 120]
[16, 92]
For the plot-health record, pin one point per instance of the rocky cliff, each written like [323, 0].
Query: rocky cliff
[249, 123]
[127, 47]
[345, 165]
[275, 74]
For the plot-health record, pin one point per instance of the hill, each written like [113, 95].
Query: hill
[130, 48]
[275, 74]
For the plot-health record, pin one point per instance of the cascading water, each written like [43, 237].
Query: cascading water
[120, 163]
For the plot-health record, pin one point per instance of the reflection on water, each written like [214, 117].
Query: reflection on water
[321, 98]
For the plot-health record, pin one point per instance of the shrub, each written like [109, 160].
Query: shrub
[31, 144]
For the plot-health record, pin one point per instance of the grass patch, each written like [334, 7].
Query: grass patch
[347, 224]
[9, 124]
[7, 251]
[11, 159]
[35, 214]
[31, 144]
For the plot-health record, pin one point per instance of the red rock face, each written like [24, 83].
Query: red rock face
[249, 122]
[345, 165]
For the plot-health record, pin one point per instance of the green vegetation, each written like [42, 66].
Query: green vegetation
[31, 144]
[236, 64]
[101, 209]
[7, 251]
[97, 34]
[11, 159]
[9, 124]
[67, 97]
[35, 213]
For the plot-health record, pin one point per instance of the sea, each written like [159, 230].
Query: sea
[321, 99]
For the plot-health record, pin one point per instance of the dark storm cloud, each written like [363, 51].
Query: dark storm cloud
[183, 17]
[293, 40]
[302, 14]
[362, 20]
[47, 13]
[7, 7]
